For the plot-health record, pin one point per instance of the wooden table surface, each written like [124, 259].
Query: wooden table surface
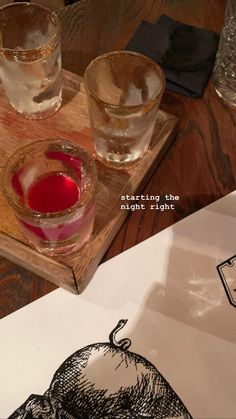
[200, 166]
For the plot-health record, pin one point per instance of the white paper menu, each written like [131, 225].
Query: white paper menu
[176, 290]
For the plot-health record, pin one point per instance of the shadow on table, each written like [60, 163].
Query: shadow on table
[192, 291]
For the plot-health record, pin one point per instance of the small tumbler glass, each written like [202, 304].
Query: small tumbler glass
[30, 59]
[50, 185]
[124, 92]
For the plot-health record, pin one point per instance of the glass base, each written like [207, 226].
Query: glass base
[39, 115]
[118, 162]
[60, 249]
[228, 97]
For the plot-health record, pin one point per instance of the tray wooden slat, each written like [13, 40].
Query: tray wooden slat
[71, 122]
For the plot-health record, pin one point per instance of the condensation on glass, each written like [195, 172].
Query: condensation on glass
[124, 92]
[224, 73]
[30, 59]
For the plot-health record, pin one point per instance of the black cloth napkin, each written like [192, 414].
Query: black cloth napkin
[185, 53]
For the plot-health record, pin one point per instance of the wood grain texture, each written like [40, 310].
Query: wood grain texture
[51, 4]
[207, 14]
[90, 28]
[73, 272]
[200, 165]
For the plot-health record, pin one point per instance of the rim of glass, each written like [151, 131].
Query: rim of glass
[137, 54]
[15, 158]
[44, 46]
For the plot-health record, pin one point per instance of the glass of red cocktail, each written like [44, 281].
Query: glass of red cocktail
[50, 185]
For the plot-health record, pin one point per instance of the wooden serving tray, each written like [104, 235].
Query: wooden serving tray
[71, 122]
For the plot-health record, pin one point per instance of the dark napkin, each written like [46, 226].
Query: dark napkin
[185, 53]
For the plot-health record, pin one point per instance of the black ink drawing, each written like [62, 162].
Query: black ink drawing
[227, 272]
[128, 387]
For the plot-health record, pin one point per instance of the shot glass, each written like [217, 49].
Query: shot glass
[50, 185]
[30, 59]
[124, 92]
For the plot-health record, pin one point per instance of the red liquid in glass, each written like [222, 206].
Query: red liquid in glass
[52, 193]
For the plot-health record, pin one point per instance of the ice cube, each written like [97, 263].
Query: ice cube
[153, 83]
[132, 97]
[106, 89]
[27, 176]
